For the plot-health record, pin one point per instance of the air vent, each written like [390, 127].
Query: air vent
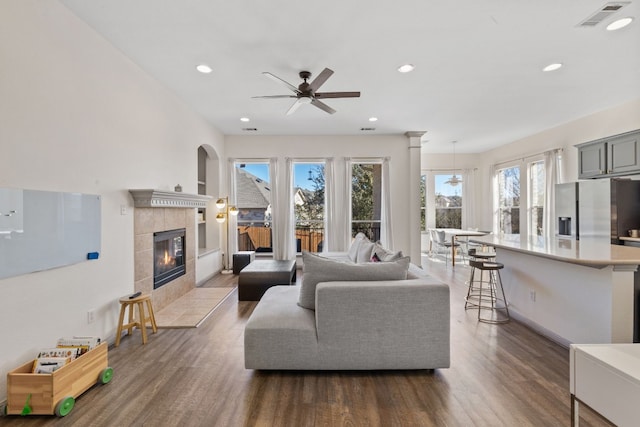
[250, 129]
[367, 129]
[603, 13]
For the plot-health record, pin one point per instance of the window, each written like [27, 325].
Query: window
[508, 181]
[423, 202]
[366, 199]
[448, 202]
[536, 197]
[253, 199]
[309, 205]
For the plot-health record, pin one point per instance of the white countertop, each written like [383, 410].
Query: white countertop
[593, 252]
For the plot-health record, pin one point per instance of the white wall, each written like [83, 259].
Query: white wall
[339, 147]
[610, 122]
[76, 115]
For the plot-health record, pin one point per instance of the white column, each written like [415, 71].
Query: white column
[413, 214]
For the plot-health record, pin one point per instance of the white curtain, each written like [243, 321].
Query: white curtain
[283, 239]
[386, 235]
[468, 199]
[335, 224]
[493, 185]
[551, 166]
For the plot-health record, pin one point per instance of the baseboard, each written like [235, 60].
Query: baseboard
[539, 329]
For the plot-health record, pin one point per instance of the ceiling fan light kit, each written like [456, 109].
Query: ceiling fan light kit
[306, 93]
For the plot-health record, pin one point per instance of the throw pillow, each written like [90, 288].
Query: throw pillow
[364, 251]
[385, 254]
[355, 244]
[374, 258]
[318, 269]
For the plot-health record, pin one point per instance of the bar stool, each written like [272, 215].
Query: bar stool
[483, 294]
[141, 322]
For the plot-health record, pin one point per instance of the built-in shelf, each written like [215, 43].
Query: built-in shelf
[168, 199]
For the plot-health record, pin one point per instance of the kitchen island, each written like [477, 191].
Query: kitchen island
[573, 291]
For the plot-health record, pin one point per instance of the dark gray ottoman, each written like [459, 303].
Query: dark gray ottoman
[260, 275]
[242, 259]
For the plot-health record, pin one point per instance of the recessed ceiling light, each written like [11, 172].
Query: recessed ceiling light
[373, 119]
[552, 67]
[620, 23]
[406, 68]
[204, 68]
[244, 119]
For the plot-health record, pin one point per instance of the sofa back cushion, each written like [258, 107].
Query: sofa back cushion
[318, 269]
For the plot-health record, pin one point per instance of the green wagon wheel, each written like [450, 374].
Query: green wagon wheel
[106, 375]
[65, 406]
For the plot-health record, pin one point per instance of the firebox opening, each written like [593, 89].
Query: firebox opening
[168, 256]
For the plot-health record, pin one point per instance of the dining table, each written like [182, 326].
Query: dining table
[457, 232]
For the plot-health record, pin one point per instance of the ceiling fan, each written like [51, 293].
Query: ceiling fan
[306, 92]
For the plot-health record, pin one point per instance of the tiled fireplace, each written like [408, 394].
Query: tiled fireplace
[150, 218]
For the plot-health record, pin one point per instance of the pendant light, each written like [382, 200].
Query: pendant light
[454, 180]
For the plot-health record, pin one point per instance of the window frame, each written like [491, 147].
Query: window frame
[373, 236]
[323, 221]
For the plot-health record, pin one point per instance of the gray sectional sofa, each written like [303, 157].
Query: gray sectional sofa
[356, 324]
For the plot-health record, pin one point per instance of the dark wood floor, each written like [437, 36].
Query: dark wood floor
[500, 375]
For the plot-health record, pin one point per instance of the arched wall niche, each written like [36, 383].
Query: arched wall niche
[208, 184]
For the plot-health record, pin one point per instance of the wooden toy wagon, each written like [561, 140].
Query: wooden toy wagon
[55, 393]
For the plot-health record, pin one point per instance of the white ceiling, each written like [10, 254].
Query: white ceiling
[477, 80]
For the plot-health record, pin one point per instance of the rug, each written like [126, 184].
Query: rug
[193, 308]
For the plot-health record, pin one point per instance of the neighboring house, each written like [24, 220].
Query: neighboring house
[254, 219]
[253, 198]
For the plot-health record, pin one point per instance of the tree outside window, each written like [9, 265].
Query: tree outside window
[448, 203]
[509, 200]
[366, 199]
[536, 197]
[309, 205]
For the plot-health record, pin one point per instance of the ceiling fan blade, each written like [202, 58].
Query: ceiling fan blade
[275, 96]
[319, 81]
[337, 95]
[295, 106]
[282, 82]
[323, 106]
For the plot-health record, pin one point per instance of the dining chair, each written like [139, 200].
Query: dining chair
[443, 244]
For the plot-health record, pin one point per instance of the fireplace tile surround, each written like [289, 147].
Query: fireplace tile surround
[147, 221]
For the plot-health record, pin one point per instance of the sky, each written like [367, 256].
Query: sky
[300, 179]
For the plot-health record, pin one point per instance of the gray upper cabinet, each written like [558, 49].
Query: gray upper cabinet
[613, 156]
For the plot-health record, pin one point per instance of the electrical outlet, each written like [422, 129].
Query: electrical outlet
[532, 294]
[91, 316]
[123, 209]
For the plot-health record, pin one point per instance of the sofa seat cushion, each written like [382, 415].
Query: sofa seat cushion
[319, 269]
[281, 334]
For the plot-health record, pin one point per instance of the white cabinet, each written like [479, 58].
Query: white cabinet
[606, 377]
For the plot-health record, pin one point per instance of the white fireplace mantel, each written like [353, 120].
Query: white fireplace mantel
[168, 199]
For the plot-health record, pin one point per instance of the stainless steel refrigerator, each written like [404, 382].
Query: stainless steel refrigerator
[608, 208]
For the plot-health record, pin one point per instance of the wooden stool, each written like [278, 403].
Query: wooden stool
[141, 323]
